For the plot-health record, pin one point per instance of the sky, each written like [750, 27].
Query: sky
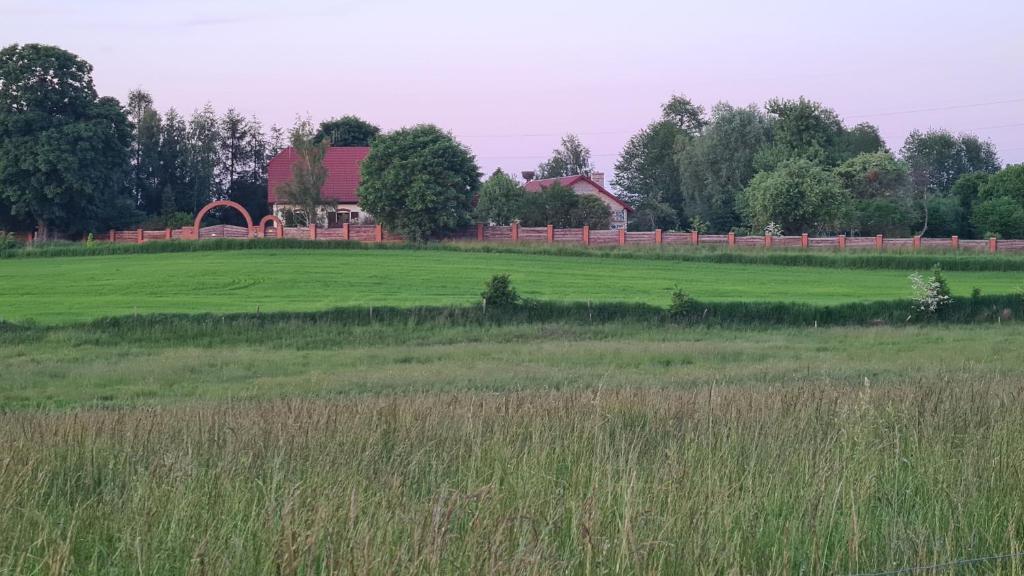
[508, 79]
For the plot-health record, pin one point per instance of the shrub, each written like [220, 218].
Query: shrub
[681, 306]
[931, 295]
[499, 292]
[8, 241]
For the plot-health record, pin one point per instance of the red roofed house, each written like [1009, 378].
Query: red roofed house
[593, 185]
[343, 177]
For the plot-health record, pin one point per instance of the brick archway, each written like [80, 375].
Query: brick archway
[241, 209]
[278, 226]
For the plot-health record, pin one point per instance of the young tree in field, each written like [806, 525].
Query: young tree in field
[308, 175]
[64, 159]
[419, 182]
[570, 159]
[799, 195]
[347, 131]
[500, 201]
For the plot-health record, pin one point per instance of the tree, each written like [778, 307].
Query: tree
[650, 215]
[937, 159]
[419, 182]
[717, 165]
[863, 138]
[684, 114]
[552, 205]
[570, 159]
[802, 129]
[500, 200]
[145, 151]
[799, 195]
[64, 159]
[203, 157]
[347, 131]
[174, 165]
[1000, 204]
[234, 156]
[590, 211]
[967, 190]
[879, 187]
[308, 175]
[646, 171]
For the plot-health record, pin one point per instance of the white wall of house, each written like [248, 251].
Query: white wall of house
[329, 215]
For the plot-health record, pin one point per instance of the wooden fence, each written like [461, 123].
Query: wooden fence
[580, 236]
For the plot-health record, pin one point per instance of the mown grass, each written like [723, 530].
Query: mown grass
[58, 290]
[889, 259]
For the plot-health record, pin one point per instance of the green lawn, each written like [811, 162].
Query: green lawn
[56, 290]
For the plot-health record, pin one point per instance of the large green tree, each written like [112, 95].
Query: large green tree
[562, 207]
[1000, 205]
[500, 200]
[64, 159]
[801, 128]
[145, 151]
[203, 147]
[800, 196]
[571, 158]
[717, 165]
[347, 131]
[419, 182]
[879, 186]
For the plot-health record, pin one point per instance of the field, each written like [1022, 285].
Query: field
[55, 290]
[444, 441]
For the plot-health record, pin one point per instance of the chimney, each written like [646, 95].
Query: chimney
[598, 178]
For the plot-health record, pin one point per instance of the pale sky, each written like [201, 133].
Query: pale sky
[508, 79]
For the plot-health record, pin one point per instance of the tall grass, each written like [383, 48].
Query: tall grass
[800, 479]
[823, 258]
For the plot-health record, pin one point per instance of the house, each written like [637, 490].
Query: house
[592, 185]
[340, 189]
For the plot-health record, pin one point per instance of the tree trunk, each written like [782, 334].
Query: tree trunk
[924, 228]
[42, 231]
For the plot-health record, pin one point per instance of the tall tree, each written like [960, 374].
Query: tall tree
[63, 150]
[799, 195]
[347, 131]
[863, 138]
[203, 157]
[801, 129]
[144, 150]
[571, 158]
[717, 165]
[684, 114]
[419, 182]
[175, 196]
[308, 175]
[234, 154]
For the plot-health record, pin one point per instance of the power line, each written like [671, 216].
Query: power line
[938, 109]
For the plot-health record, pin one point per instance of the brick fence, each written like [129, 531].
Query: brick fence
[551, 235]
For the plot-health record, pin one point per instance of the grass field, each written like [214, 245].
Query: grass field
[541, 448]
[56, 290]
[556, 439]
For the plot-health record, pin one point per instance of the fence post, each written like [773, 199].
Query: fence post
[622, 236]
[479, 232]
[841, 239]
[551, 233]
[378, 233]
[139, 237]
[658, 239]
[312, 231]
[917, 242]
[586, 235]
[768, 239]
[168, 234]
[345, 233]
[804, 241]
[879, 241]
[515, 231]
[993, 245]
[694, 237]
[954, 241]
[30, 238]
[731, 239]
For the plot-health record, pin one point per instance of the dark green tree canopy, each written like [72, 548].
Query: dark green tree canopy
[800, 196]
[561, 207]
[874, 175]
[570, 159]
[419, 182]
[63, 150]
[804, 128]
[500, 200]
[347, 131]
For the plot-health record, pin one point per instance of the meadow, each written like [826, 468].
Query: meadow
[412, 431]
[62, 289]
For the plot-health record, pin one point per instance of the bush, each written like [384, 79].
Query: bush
[500, 293]
[681, 306]
[931, 296]
[8, 241]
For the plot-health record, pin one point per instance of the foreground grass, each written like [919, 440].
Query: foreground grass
[802, 478]
[63, 289]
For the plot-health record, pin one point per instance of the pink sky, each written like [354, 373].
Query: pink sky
[508, 79]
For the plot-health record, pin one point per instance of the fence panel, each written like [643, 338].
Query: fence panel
[497, 233]
[676, 238]
[568, 235]
[604, 237]
[640, 238]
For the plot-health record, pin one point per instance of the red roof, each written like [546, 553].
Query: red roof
[342, 173]
[568, 182]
